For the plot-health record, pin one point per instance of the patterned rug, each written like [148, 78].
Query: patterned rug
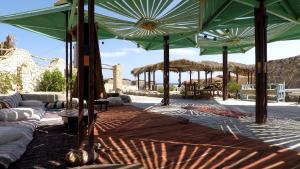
[217, 110]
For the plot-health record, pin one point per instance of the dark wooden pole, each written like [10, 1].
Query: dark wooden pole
[211, 74]
[166, 71]
[206, 72]
[80, 52]
[149, 80]
[229, 76]
[237, 77]
[138, 81]
[154, 83]
[91, 26]
[145, 82]
[71, 67]
[261, 62]
[225, 73]
[248, 74]
[251, 79]
[198, 77]
[179, 79]
[67, 56]
[190, 77]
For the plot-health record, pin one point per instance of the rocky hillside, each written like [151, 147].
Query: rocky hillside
[285, 70]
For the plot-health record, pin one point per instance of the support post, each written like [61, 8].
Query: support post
[179, 79]
[198, 77]
[261, 62]
[166, 71]
[211, 79]
[92, 59]
[248, 74]
[67, 60]
[145, 82]
[225, 73]
[80, 48]
[251, 79]
[206, 72]
[190, 78]
[71, 68]
[237, 77]
[138, 81]
[149, 80]
[154, 88]
[229, 76]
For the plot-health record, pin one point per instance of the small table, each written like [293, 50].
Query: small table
[70, 118]
[101, 102]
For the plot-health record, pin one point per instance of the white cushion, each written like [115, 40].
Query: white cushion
[15, 114]
[32, 103]
[115, 101]
[9, 134]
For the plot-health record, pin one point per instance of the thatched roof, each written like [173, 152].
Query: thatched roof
[184, 65]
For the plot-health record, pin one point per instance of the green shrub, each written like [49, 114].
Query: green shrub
[6, 82]
[160, 89]
[52, 81]
[233, 87]
[173, 88]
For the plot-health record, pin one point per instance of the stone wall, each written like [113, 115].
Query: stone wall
[20, 63]
[285, 70]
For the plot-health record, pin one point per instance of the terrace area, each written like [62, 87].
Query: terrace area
[241, 118]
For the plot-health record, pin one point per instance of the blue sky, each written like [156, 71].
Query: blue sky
[123, 52]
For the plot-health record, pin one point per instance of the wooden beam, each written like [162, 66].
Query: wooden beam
[261, 62]
[250, 3]
[225, 73]
[237, 77]
[67, 58]
[91, 81]
[211, 76]
[166, 71]
[80, 48]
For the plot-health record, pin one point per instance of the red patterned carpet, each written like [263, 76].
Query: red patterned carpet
[129, 135]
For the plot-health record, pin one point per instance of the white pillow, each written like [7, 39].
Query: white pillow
[15, 114]
[31, 103]
[9, 134]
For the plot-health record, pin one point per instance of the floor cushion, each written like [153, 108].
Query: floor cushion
[9, 134]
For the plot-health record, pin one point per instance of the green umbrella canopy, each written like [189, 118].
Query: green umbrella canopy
[48, 21]
[240, 40]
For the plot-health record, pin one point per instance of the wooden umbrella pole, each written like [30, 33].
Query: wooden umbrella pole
[198, 77]
[190, 77]
[166, 71]
[225, 73]
[80, 48]
[71, 69]
[91, 95]
[67, 56]
[261, 62]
